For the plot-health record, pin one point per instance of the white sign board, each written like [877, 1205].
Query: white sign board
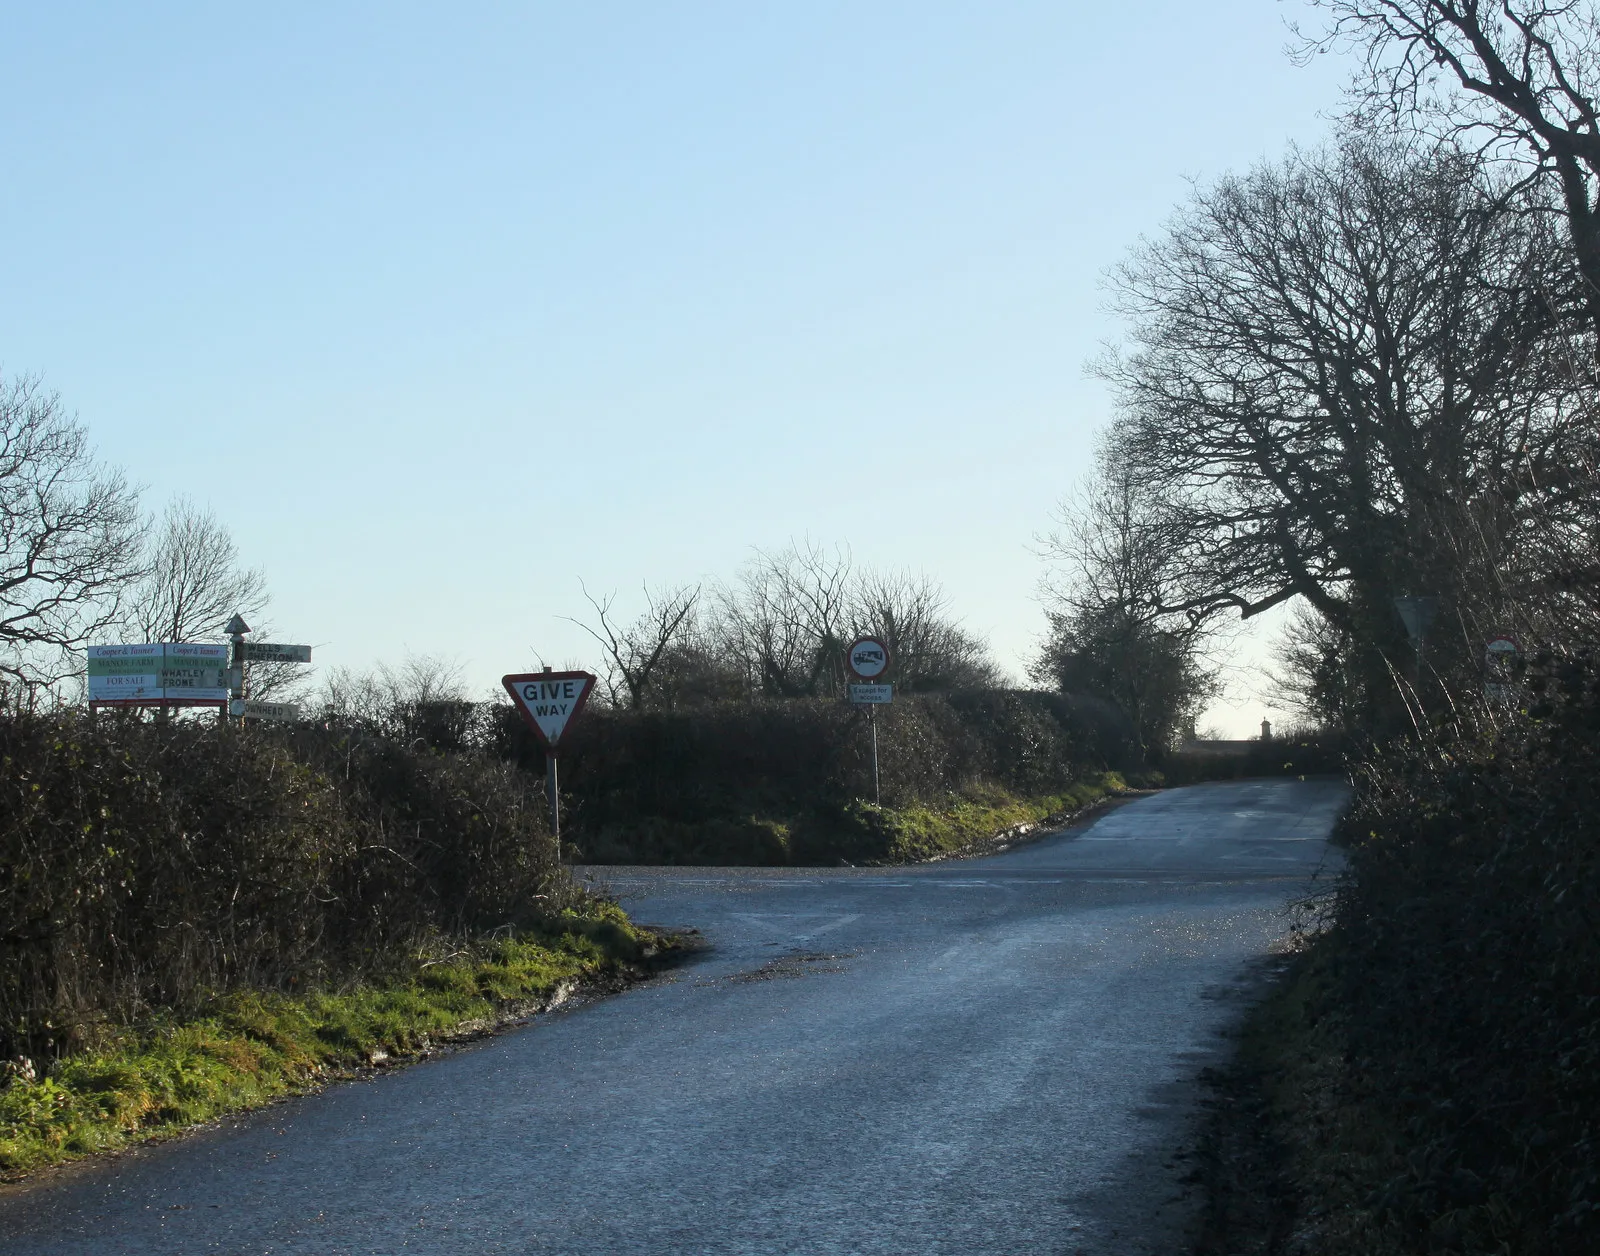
[195, 671]
[549, 701]
[871, 695]
[252, 710]
[1417, 614]
[275, 652]
[125, 673]
[1499, 660]
[158, 672]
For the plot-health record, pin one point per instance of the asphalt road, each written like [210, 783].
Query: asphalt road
[980, 1056]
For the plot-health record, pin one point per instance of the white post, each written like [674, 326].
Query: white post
[235, 677]
[553, 788]
[872, 723]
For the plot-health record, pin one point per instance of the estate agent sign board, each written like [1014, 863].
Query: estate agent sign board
[156, 672]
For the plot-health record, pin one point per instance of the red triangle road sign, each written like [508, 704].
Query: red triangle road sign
[549, 701]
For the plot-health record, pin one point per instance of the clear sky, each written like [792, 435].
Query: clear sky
[443, 308]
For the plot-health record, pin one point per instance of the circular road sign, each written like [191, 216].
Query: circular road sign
[867, 657]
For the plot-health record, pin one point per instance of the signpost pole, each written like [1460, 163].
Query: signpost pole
[236, 629]
[552, 786]
[872, 723]
[549, 701]
[867, 659]
[235, 674]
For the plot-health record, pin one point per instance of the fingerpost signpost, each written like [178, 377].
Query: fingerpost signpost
[165, 674]
[1500, 654]
[868, 660]
[550, 701]
[1417, 613]
[245, 652]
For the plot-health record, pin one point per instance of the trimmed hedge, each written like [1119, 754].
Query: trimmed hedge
[158, 866]
[775, 782]
[149, 865]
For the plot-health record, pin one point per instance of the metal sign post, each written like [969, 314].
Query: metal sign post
[868, 659]
[549, 701]
[552, 791]
[245, 652]
[1417, 614]
[1500, 654]
[236, 629]
[872, 727]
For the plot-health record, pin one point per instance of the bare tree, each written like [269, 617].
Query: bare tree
[70, 537]
[1315, 674]
[1346, 383]
[788, 618]
[193, 582]
[637, 654]
[910, 613]
[1115, 570]
[779, 630]
[1515, 77]
[420, 700]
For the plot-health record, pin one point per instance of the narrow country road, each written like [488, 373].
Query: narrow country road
[980, 1056]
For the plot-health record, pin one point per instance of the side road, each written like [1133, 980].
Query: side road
[167, 1076]
[986, 1055]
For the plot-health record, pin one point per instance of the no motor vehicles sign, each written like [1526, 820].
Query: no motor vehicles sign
[867, 658]
[549, 701]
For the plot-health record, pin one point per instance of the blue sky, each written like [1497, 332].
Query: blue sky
[445, 308]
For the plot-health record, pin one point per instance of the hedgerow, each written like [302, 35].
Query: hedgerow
[1443, 1084]
[157, 866]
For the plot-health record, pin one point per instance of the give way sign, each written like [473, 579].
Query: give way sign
[549, 701]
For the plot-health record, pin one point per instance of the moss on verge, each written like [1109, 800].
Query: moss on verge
[920, 831]
[247, 1049]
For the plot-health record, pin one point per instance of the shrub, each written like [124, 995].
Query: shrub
[157, 865]
[774, 781]
[1464, 963]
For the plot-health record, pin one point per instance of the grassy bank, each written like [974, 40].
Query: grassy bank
[780, 782]
[164, 1075]
[767, 831]
[959, 821]
[1425, 1078]
[149, 869]
[1319, 1146]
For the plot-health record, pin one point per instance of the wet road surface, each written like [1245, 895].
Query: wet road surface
[978, 1056]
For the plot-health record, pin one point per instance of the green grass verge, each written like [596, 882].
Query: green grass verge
[159, 1078]
[773, 832]
[928, 830]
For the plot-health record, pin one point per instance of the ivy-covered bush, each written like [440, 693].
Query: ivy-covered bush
[155, 865]
[1466, 959]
